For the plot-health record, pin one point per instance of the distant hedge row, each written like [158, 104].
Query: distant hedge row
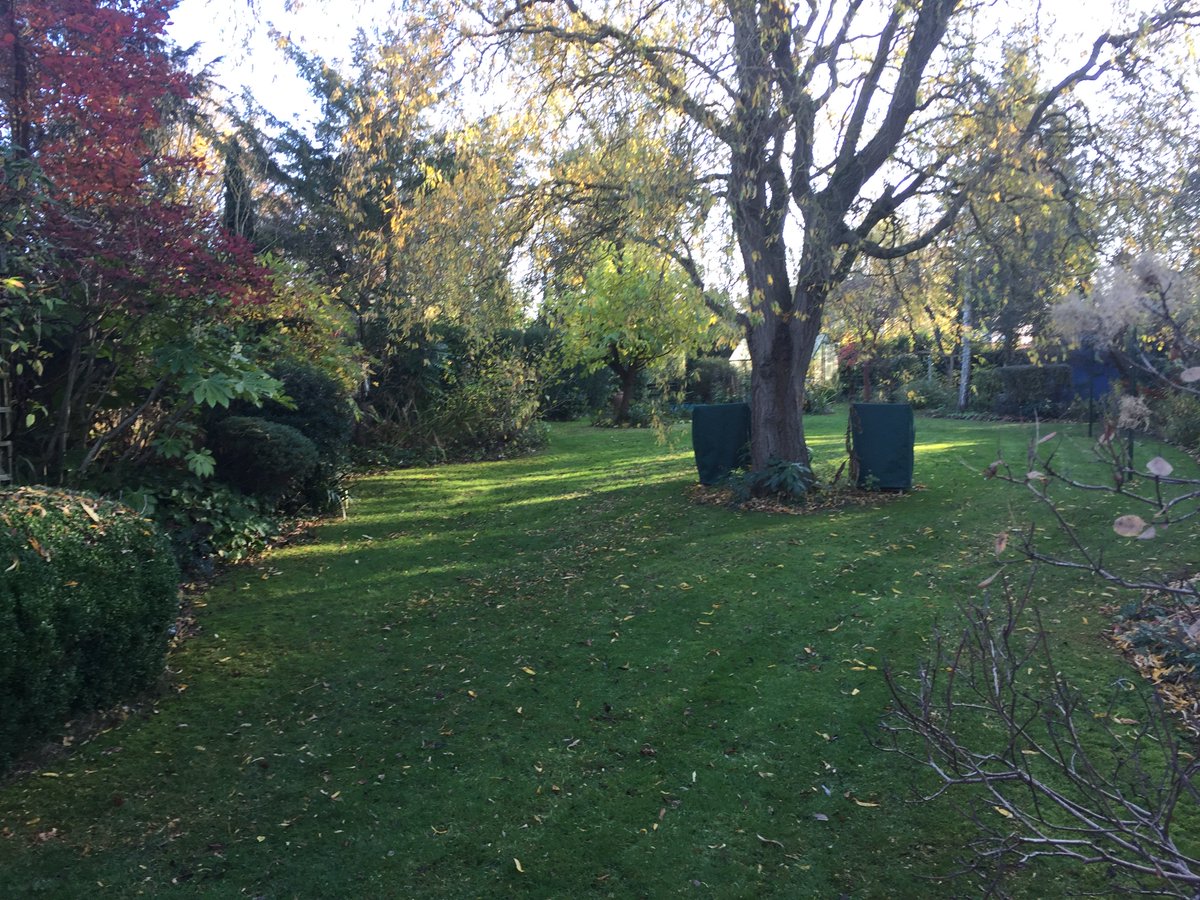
[88, 590]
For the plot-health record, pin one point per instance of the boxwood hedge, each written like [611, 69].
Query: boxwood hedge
[88, 591]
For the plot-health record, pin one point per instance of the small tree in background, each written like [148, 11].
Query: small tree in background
[635, 312]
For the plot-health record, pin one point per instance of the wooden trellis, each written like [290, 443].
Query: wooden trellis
[6, 427]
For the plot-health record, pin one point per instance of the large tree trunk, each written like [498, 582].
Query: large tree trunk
[776, 402]
[781, 348]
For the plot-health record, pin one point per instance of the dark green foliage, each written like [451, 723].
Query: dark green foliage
[203, 519]
[574, 393]
[441, 397]
[568, 392]
[323, 412]
[791, 482]
[1177, 417]
[712, 379]
[1029, 391]
[986, 386]
[262, 458]
[928, 394]
[88, 591]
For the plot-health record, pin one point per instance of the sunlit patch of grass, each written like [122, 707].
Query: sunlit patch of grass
[559, 660]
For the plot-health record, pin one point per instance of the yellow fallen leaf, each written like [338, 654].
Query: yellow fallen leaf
[517, 863]
[865, 803]
[261, 838]
[527, 670]
[1004, 812]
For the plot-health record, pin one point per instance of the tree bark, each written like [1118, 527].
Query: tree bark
[627, 380]
[964, 375]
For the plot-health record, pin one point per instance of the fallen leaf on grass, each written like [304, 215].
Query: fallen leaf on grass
[1159, 467]
[865, 803]
[778, 844]
[517, 863]
[1129, 526]
[527, 670]
[1004, 812]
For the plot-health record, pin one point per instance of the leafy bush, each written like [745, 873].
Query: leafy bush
[819, 398]
[445, 399]
[1178, 419]
[711, 379]
[986, 386]
[323, 412]
[791, 482]
[264, 459]
[494, 408]
[203, 519]
[1028, 391]
[927, 394]
[86, 597]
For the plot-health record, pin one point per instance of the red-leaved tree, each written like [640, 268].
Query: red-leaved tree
[132, 283]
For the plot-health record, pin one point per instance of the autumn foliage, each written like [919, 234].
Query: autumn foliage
[87, 84]
[116, 276]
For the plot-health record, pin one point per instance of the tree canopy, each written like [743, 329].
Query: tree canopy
[825, 121]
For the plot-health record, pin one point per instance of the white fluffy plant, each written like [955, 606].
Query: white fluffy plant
[1138, 305]
[1147, 314]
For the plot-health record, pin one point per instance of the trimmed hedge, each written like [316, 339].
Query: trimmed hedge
[263, 458]
[1026, 391]
[323, 413]
[87, 594]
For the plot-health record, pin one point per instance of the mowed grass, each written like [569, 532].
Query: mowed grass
[557, 677]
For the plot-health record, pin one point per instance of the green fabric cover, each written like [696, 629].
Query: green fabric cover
[720, 439]
[882, 436]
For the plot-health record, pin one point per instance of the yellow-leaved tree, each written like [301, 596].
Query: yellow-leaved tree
[634, 312]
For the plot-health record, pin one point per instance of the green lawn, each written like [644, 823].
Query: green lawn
[559, 660]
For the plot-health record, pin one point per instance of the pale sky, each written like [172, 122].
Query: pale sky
[226, 29]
